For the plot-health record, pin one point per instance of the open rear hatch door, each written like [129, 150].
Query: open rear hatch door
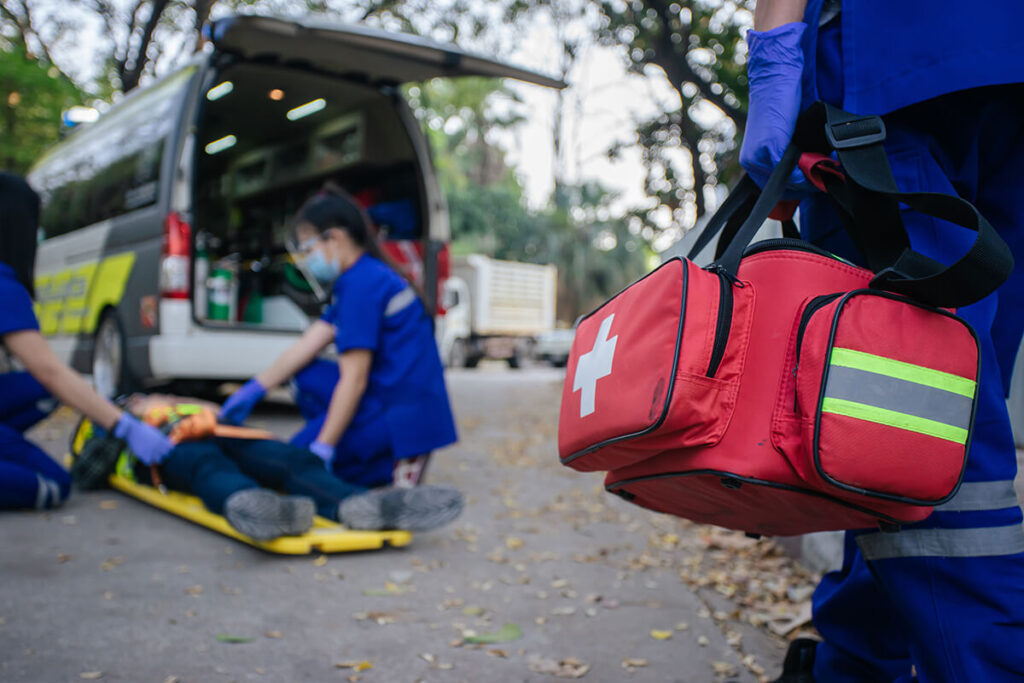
[357, 52]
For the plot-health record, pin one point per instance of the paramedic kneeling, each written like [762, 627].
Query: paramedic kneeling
[28, 476]
[944, 597]
[385, 399]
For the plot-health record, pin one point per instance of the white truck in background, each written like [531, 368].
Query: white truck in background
[496, 309]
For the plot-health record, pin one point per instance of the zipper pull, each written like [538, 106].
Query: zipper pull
[722, 272]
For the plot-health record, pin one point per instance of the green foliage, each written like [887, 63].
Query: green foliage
[595, 251]
[34, 96]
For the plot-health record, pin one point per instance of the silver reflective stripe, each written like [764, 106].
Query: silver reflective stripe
[982, 495]
[983, 542]
[399, 302]
[901, 396]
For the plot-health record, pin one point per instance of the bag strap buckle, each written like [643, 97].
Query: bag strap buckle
[855, 132]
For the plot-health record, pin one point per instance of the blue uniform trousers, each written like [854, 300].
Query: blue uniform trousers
[29, 478]
[946, 595]
[213, 469]
[364, 454]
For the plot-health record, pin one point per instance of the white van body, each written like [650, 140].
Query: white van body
[179, 198]
[496, 309]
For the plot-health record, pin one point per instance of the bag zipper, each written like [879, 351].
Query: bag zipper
[813, 306]
[726, 281]
[794, 245]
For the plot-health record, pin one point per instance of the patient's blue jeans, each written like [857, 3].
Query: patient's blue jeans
[215, 468]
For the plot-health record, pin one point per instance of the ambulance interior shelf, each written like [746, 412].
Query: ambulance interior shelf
[258, 161]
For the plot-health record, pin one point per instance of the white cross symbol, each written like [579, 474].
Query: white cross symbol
[594, 365]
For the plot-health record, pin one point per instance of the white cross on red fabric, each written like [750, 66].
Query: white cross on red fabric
[594, 365]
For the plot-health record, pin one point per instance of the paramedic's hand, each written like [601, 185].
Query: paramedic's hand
[323, 451]
[238, 406]
[775, 66]
[147, 443]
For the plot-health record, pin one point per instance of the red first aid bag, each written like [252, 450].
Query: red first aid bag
[784, 390]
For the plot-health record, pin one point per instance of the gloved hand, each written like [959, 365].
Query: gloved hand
[323, 451]
[147, 443]
[775, 66]
[238, 406]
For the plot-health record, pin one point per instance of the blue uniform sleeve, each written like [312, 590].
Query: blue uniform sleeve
[358, 314]
[16, 312]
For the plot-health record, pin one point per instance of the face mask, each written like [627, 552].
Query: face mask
[323, 270]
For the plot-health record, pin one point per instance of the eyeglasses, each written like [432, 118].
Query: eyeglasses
[304, 248]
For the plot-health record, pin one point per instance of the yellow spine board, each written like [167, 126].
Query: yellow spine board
[325, 536]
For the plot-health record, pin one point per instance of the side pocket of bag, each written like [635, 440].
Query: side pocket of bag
[897, 391]
[713, 353]
[790, 423]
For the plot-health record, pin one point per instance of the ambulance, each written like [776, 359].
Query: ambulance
[164, 223]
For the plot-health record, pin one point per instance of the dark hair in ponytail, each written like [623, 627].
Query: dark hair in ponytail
[19, 226]
[333, 207]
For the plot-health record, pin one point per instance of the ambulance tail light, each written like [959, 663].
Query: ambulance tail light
[176, 258]
[444, 271]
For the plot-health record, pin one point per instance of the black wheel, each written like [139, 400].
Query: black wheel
[515, 361]
[472, 361]
[110, 373]
[457, 354]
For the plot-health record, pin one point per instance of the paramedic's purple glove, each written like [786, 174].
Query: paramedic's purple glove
[775, 66]
[147, 443]
[323, 451]
[239, 404]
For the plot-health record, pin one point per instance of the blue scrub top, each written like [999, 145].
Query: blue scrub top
[375, 309]
[882, 55]
[16, 312]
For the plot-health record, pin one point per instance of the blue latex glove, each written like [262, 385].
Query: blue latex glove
[239, 404]
[775, 66]
[148, 444]
[323, 451]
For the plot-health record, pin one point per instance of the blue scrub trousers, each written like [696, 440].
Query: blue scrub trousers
[945, 595]
[364, 455]
[215, 468]
[29, 478]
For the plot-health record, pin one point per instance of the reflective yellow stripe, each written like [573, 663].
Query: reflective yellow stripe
[70, 301]
[891, 418]
[906, 371]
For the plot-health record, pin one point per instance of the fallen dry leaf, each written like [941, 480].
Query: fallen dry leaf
[723, 668]
[274, 634]
[633, 663]
[111, 563]
[194, 590]
[514, 543]
[570, 667]
[660, 635]
[320, 561]
[91, 675]
[703, 641]
[62, 558]
[108, 505]
[355, 664]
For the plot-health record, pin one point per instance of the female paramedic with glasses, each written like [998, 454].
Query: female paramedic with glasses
[385, 399]
[28, 477]
[943, 597]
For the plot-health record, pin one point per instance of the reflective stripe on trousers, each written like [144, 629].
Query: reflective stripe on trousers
[946, 542]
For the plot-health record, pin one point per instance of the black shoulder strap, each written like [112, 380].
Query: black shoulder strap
[876, 229]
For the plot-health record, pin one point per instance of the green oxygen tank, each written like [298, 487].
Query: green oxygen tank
[220, 288]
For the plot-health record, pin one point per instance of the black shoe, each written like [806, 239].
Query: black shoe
[798, 667]
[264, 515]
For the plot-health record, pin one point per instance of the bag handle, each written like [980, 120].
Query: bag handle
[872, 199]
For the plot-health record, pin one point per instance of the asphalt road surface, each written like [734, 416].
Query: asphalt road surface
[109, 589]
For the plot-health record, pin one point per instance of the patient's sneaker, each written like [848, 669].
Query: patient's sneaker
[263, 515]
[416, 509]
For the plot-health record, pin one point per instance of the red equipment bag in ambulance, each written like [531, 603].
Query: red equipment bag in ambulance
[783, 390]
